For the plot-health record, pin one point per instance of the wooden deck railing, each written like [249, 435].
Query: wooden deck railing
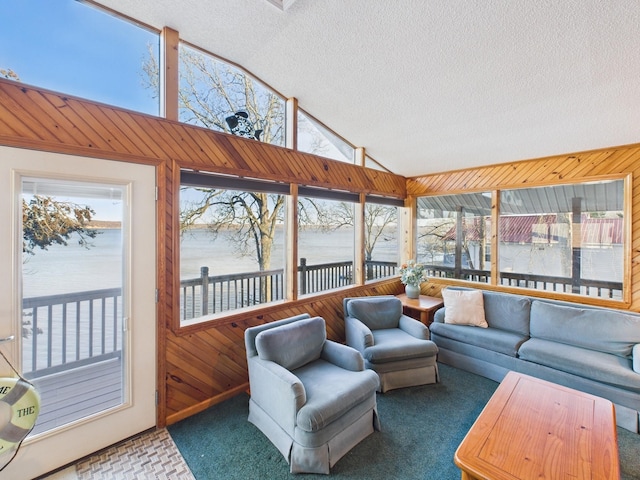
[65, 331]
[209, 294]
[68, 330]
[586, 287]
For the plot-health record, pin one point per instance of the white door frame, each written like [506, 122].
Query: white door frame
[43, 453]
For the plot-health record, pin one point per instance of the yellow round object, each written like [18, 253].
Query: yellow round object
[24, 402]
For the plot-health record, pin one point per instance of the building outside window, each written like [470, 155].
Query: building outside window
[454, 235]
[566, 238]
[561, 238]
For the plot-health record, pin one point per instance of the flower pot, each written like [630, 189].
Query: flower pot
[412, 291]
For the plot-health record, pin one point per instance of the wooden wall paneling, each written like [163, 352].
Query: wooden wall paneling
[139, 135]
[54, 119]
[617, 160]
[62, 127]
[99, 135]
[203, 364]
[18, 115]
[119, 138]
[296, 169]
[210, 151]
[185, 147]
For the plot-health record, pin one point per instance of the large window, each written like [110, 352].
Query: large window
[75, 48]
[381, 237]
[231, 246]
[326, 246]
[216, 95]
[562, 238]
[454, 235]
[565, 238]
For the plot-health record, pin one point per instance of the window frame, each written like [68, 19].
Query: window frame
[495, 281]
[192, 178]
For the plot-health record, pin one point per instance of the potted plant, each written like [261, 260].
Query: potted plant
[412, 275]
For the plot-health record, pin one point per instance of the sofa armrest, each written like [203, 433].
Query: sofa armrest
[358, 335]
[414, 327]
[343, 356]
[636, 357]
[439, 315]
[277, 391]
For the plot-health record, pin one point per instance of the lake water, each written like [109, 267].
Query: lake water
[73, 268]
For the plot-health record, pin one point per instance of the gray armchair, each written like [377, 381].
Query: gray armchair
[310, 396]
[397, 347]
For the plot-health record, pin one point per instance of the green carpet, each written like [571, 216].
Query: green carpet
[421, 429]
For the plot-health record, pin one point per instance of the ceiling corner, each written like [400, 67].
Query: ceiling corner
[282, 4]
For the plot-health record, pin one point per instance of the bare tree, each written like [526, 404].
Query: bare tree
[250, 217]
[378, 220]
[211, 92]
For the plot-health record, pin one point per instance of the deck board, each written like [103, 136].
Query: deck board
[73, 394]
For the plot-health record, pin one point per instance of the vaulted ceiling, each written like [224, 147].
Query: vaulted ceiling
[436, 85]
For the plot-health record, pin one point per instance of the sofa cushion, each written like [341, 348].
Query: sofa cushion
[376, 312]
[603, 330]
[490, 338]
[598, 366]
[464, 307]
[393, 344]
[294, 344]
[507, 311]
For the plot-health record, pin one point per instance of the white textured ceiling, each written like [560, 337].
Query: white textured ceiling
[435, 85]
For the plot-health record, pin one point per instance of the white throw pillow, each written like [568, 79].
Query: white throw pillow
[464, 307]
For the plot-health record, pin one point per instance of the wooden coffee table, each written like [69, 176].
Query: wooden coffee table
[533, 429]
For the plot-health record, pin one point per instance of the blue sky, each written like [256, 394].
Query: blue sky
[71, 47]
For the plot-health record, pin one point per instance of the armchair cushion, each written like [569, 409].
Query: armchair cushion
[393, 344]
[376, 312]
[294, 344]
[331, 391]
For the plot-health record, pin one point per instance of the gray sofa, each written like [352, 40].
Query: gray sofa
[592, 349]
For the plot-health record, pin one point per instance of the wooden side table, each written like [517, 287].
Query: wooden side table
[422, 308]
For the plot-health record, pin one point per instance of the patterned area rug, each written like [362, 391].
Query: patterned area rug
[152, 455]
